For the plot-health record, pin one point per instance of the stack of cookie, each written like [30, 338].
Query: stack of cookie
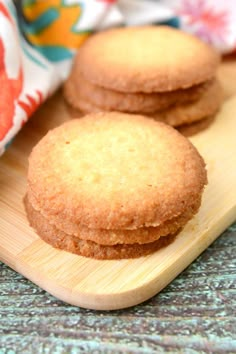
[156, 71]
[113, 185]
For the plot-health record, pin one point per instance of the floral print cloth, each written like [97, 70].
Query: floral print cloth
[38, 39]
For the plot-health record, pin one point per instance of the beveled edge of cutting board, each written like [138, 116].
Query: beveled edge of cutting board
[183, 253]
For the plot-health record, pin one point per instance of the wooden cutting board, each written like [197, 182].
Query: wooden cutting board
[107, 285]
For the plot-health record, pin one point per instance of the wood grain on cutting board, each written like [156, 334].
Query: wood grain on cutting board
[113, 284]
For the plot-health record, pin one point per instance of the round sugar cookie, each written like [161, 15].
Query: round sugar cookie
[185, 113]
[146, 59]
[115, 171]
[196, 127]
[110, 100]
[58, 239]
[122, 236]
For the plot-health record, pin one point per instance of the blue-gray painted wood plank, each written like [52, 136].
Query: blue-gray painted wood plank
[195, 313]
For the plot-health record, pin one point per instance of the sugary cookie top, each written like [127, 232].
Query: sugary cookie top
[146, 59]
[114, 170]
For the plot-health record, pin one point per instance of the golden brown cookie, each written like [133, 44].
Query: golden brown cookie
[77, 88]
[195, 127]
[114, 236]
[115, 171]
[186, 113]
[58, 239]
[146, 59]
[180, 114]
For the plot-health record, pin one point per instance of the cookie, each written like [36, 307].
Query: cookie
[196, 127]
[146, 59]
[122, 236]
[115, 171]
[180, 114]
[186, 113]
[58, 239]
[110, 100]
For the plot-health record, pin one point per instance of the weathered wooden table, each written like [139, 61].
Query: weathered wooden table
[195, 313]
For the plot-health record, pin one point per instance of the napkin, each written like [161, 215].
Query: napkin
[38, 39]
